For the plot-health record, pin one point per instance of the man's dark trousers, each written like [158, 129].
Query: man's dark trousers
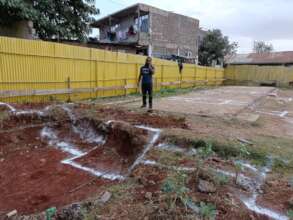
[147, 88]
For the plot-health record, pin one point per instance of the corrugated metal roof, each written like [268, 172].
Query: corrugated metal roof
[262, 58]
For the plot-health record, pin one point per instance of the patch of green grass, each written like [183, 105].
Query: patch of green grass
[206, 151]
[226, 150]
[3, 116]
[221, 179]
[163, 92]
[169, 158]
[290, 214]
[207, 211]
[121, 189]
[276, 146]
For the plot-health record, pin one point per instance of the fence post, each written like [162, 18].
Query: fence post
[68, 89]
[194, 80]
[180, 80]
[96, 78]
[206, 76]
[125, 87]
[136, 73]
[162, 76]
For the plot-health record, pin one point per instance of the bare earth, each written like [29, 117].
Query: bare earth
[58, 158]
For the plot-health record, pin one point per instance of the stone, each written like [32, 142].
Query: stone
[73, 211]
[206, 187]
[11, 214]
[148, 195]
[105, 197]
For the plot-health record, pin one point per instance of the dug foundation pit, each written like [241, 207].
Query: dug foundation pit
[45, 156]
[81, 146]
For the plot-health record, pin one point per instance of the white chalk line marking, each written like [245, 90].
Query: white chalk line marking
[254, 185]
[76, 154]
[281, 114]
[207, 102]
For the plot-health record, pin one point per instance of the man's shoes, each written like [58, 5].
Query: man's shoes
[143, 106]
[150, 109]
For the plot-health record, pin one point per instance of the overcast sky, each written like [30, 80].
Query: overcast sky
[242, 20]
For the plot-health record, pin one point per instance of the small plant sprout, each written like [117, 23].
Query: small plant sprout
[175, 189]
[238, 169]
[244, 151]
[290, 214]
[207, 211]
[206, 151]
[221, 179]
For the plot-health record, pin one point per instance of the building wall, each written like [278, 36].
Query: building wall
[168, 33]
[173, 34]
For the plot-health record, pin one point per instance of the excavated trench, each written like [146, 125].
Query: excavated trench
[45, 155]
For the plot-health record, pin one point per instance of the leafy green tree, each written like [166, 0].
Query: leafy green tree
[262, 47]
[53, 19]
[215, 47]
[15, 10]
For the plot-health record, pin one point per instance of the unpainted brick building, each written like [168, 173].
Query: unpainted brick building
[143, 29]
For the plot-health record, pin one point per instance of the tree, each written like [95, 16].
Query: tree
[15, 10]
[262, 47]
[53, 19]
[215, 47]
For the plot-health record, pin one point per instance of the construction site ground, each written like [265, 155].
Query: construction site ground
[218, 153]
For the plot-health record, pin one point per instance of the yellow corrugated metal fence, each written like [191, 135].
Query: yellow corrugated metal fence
[254, 74]
[38, 71]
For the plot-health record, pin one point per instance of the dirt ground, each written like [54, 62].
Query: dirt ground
[218, 102]
[54, 155]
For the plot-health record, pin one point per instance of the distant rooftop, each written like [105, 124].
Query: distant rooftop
[273, 58]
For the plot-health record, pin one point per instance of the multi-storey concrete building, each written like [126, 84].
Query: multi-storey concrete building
[143, 29]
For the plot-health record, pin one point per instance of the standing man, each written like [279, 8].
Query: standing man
[146, 76]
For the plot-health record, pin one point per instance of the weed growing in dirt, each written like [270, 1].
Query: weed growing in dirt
[206, 151]
[244, 151]
[225, 150]
[176, 190]
[3, 117]
[221, 179]
[279, 163]
[207, 211]
[203, 153]
[282, 166]
[173, 91]
[238, 169]
[290, 214]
